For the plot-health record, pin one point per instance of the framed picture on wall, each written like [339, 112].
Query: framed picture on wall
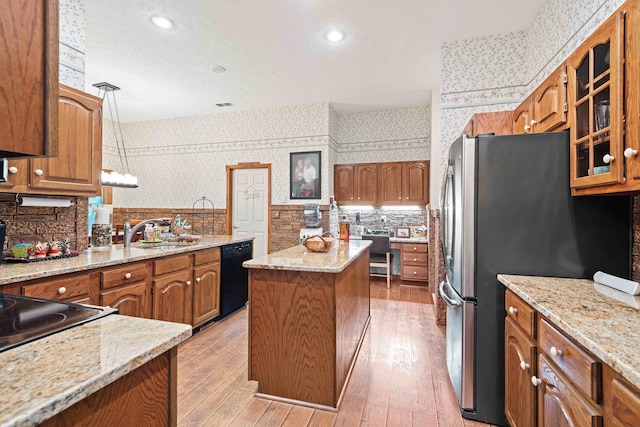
[304, 175]
[403, 232]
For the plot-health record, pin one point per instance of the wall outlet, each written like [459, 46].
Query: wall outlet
[383, 218]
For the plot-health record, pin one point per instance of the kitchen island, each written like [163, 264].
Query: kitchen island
[110, 371]
[308, 314]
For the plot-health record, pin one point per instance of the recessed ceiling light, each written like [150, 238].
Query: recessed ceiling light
[218, 69]
[162, 22]
[334, 35]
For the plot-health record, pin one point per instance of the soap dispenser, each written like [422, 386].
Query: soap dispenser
[149, 233]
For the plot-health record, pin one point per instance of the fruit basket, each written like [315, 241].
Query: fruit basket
[318, 243]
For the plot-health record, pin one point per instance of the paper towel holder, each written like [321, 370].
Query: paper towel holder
[42, 202]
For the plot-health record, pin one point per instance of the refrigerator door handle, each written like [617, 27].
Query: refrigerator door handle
[450, 302]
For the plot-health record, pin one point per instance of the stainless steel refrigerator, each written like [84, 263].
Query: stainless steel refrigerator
[506, 207]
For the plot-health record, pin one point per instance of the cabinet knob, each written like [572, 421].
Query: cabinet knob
[350, 198]
[533, 122]
[415, 248]
[628, 153]
[513, 310]
[358, 198]
[536, 381]
[527, 128]
[39, 172]
[62, 290]
[188, 282]
[407, 197]
[524, 366]
[555, 352]
[415, 259]
[198, 279]
[127, 276]
[400, 198]
[13, 169]
[415, 273]
[607, 158]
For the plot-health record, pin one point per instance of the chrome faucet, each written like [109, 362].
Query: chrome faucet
[129, 231]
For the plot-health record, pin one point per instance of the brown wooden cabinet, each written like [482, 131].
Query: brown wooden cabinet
[621, 401]
[522, 117]
[497, 122]
[173, 297]
[206, 286]
[77, 167]
[414, 262]
[28, 77]
[79, 288]
[127, 288]
[520, 366]
[391, 183]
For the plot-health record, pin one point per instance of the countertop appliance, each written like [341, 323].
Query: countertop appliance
[234, 278]
[312, 215]
[507, 208]
[25, 319]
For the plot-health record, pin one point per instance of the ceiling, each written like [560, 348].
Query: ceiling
[275, 54]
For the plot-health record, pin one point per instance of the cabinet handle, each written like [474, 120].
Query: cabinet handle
[62, 290]
[198, 279]
[127, 276]
[524, 365]
[415, 259]
[415, 248]
[350, 198]
[415, 273]
[536, 381]
[555, 352]
[358, 198]
[39, 172]
[607, 158]
[188, 282]
[628, 153]
[527, 128]
[400, 198]
[513, 310]
[533, 122]
[13, 169]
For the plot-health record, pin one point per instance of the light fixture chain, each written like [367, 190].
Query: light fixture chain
[113, 123]
[124, 150]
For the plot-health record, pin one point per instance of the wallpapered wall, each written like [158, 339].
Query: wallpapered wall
[72, 43]
[180, 160]
[471, 82]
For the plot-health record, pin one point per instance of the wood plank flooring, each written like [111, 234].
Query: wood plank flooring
[400, 377]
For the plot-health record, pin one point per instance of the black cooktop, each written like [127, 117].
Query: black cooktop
[24, 319]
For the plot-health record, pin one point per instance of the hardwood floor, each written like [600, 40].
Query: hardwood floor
[400, 377]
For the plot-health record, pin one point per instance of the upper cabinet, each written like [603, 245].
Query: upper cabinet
[28, 78]
[392, 183]
[497, 122]
[546, 108]
[76, 169]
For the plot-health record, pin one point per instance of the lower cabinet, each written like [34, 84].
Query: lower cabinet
[172, 297]
[77, 288]
[520, 366]
[414, 262]
[130, 300]
[206, 286]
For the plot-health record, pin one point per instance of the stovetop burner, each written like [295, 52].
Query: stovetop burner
[24, 319]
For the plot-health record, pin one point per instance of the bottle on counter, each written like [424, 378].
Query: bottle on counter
[343, 226]
[149, 232]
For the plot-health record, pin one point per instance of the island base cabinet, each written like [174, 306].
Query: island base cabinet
[621, 401]
[146, 396]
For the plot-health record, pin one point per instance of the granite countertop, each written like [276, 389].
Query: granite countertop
[604, 321]
[102, 257]
[298, 258]
[44, 377]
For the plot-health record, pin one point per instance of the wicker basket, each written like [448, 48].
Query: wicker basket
[318, 243]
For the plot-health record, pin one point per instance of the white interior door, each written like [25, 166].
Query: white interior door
[250, 208]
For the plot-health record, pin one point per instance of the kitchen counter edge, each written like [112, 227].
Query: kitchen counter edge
[605, 326]
[94, 258]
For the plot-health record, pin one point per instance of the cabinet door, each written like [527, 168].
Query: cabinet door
[522, 118]
[28, 77]
[172, 296]
[390, 183]
[76, 169]
[206, 293]
[343, 183]
[520, 366]
[415, 183]
[498, 122]
[559, 403]
[596, 106]
[130, 300]
[549, 102]
[366, 183]
[17, 178]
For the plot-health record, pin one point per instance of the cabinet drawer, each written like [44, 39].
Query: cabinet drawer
[174, 263]
[414, 247]
[584, 370]
[414, 259]
[67, 288]
[410, 272]
[520, 312]
[123, 275]
[206, 256]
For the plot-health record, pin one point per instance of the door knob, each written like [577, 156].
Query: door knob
[607, 158]
[524, 365]
[127, 276]
[13, 169]
[39, 172]
[630, 152]
[555, 352]
[513, 310]
[536, 381]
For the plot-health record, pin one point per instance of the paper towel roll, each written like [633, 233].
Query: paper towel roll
[102, 216]
[624, 285]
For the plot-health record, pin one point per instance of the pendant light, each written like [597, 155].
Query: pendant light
[116, 179]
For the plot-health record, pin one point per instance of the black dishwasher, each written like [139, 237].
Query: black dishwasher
[234, 278]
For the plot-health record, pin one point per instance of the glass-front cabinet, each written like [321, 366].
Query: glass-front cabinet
[596, 109]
